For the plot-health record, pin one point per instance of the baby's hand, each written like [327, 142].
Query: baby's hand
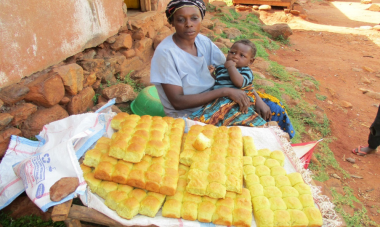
[211, 68]
[229, 63]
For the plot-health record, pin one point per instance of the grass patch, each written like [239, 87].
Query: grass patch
[224, 50]
[26, 221]
[279, 72]
[320, 97]
[360, 217]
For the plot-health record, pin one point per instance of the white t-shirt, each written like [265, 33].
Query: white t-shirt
[172, 65]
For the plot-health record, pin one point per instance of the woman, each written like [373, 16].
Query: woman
[180, 65]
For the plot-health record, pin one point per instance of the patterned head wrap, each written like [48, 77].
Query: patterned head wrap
[175, 5]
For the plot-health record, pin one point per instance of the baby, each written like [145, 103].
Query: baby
[235, 73]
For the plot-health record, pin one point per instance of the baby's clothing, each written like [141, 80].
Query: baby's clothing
[222, 78]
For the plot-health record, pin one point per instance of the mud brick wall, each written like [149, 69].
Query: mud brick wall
[68, 79]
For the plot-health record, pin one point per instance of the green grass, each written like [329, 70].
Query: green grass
[321, 97]
[27, 221]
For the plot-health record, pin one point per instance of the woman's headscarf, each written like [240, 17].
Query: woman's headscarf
[175, 5]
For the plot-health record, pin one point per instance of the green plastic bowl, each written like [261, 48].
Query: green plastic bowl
[148, 103]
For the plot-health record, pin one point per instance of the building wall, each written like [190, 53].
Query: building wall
[36, 34]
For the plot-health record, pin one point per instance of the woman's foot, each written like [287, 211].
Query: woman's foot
[361, 150]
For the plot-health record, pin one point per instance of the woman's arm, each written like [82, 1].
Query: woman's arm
[262, 108]
[180, 101]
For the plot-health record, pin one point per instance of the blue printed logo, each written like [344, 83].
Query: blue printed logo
[40, 191]
[46, 158]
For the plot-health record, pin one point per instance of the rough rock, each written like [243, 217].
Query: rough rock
[289, 100]
[35, 122]
[206, 31]
[81, 102]
[351, 160]
[208, 23]
[128, 53]
[291, 70]
[255, 7]
[357, 70]
[295, 12]
[264, 83]
[144, 44]
[21, 112]
[130, 64]
[345, 104]
[63, 187]
[220, 45]
[5, 119]
[261, 64]
[286, 10]
[64, 101]
[374, 7]
[2, 103]
[100, 104]
[258, 74]
[72, 77]
[365, 80]
[232, 33]
[265, 7]
[278, 29]
[111, 40]
[138, 35]
[376, 27]
[219, 3]
[5, 137]
[226, 42]
[46, 90]
[374, 95]
[89, 80]
[151, 33]
[157, 40]
[241, 8]
[308, 83]
[332, 92]
[218, 30]
[122, 41]
[365, 27]
[366, 1]
[13, 93]
[122, 93]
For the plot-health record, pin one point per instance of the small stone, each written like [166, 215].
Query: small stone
[376, 27]
[295, 12]
[122, 93]
[351, 160]
[255, 7]
[81, 102]
[345, 104]
[335, 176]
[111, 40]
[138, 35]
[72, 77]
[265, 7]
[374, 95]
[365, 27]
[122, 41]
[357, 177]
[264, 83]
[365, 80]
[129, 53]
[368, 69]
[357, 70]
[64, 100]
[308, 83]
[329, 102]
[287, 10]
[232, 33]
[21, 112]
[366, 1]
[277, 30]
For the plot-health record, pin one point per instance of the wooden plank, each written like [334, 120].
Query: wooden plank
[90, 215]
[61, 211]
[285, 3]
[148, 5]
[72, 223]
[142, 4]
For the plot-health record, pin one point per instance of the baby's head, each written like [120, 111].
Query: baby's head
[242, 52]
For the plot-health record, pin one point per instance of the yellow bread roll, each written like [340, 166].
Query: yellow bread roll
[201, 142]
[314, 216]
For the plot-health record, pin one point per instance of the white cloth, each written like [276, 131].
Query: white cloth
[172, 65]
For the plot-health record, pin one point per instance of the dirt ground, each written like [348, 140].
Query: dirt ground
[328, 45]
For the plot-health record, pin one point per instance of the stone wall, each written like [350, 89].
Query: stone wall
[36, 34]
[70, 86]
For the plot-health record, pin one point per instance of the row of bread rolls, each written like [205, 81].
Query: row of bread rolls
[278, 198]
[125, 200]
[214, 155]
[235, 209]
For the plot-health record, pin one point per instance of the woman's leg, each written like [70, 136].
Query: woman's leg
[279, 113]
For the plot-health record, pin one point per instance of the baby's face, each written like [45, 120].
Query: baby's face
[241, 54]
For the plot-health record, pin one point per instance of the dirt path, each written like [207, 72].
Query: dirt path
[327, 46]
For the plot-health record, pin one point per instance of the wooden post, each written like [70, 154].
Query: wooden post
[61, 211]
[72, 223]
[90, 215]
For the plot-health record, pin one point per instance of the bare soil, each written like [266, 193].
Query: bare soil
[328, 45]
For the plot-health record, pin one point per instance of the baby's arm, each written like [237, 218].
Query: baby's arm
[236, 78]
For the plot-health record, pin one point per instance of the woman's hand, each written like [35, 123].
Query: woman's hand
[263, 110]
[240, 97]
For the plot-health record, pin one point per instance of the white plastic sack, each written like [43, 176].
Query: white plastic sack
[55, 134]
